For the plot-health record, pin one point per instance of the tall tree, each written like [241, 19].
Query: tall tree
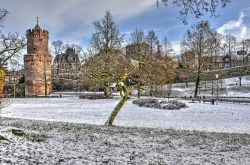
[196, 40]
[214, 48]
[57, 47]
[102, 70]
[137, 36]
[105, 44]
[10, 47]
[152, 41]
[11, 44]
[107, 36]
[196, 7]
[243, 50]
[230, 45]
[78, 49]
[167, 47]
[137, 39]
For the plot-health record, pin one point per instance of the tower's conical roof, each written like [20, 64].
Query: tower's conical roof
[37, 27]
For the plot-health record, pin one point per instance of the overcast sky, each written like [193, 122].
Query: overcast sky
[72, 20]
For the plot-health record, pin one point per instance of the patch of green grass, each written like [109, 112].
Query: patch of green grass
[37, 137]
[16, 124]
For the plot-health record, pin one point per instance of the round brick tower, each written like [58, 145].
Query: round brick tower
[37, 63]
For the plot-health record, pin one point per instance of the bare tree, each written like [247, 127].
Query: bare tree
[107, 36]
[152, 41]
[102, 68]
[10, 46]
[105, 45]
[137, 36]
[165, 69]
[196, 40]
[196, 7]
[243, 50]
[124, 92]
[214, 49]
[230, 45]
[167, 46]
[78, 49]
[57, 47]
[140, 49]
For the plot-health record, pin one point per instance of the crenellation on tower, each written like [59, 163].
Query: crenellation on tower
[37, 63]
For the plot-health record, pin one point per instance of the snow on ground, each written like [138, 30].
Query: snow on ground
[67, 143]
[224, 117]
[230, 88]
[235, 80]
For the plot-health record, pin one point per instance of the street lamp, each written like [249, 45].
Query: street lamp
[217, 76]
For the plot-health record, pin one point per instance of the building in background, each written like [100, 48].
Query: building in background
[66, 70]
[135, 51]
[66, 63]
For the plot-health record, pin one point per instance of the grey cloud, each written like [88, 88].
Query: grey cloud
[68, 18]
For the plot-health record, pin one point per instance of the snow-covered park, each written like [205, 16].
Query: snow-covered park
[69, 130]
[224, 117]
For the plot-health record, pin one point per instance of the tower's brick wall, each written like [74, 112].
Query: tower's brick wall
[37, 63]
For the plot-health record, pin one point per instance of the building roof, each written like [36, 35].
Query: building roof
[69, 56]
[37, 27]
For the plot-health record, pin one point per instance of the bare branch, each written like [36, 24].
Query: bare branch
[10, 46]
[196, 7]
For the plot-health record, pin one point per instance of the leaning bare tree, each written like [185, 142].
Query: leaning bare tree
[124, 93]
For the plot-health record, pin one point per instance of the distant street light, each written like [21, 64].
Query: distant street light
[217, 76]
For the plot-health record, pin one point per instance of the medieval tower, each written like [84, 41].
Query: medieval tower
[37, 63]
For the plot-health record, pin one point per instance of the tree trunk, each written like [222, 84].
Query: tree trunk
[139, 92]
[212, 87]
[197, 85]
[118, 107]
[106, 91]
[186, 84]
[151, 91]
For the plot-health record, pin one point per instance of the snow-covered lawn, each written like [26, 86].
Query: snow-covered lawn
[229, 88]
[67, 143]
[224, 117]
